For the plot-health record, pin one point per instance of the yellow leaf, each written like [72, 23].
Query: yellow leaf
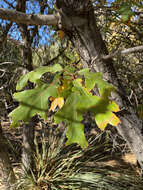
[61, 34]
[65, 85]
[60, 89]
[57, 102]
[102, 119]
[114, 120]
[51, 98]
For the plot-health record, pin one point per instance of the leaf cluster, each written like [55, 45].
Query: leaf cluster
[69, 95]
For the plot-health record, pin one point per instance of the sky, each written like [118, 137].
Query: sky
[32, 7]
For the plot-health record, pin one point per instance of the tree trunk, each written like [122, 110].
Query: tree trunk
[6, 171]
[28, 129]
[28, 146]
[80, 25]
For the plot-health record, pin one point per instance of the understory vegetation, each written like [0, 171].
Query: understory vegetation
[56, 166]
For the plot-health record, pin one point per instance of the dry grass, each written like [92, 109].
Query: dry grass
[92, 167]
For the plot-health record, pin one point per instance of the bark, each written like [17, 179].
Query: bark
[6, 171]
[28, 146]
[91, 48]
[28, 129]
[22, 18]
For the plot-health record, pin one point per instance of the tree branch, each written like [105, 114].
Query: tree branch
[28, 19]
[10, 4]
[123, 52]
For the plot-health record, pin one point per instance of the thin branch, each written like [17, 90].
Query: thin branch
[10, 4]
[5, 63]
[55, 58]
[28, 19]
[124, 52]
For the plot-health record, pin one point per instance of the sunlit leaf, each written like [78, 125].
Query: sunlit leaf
[71, 92]
[125, 11]
[101, 108]
[72, 118]
[102, 119]
[57, 102]
[92, 79]
[32, 102]
[33, 76]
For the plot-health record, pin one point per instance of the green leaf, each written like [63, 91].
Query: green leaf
[81, 101]
[92, 79]
[103, 112]
[65, 88]
[69, 69]
[22, 82]
[125, 11]
[32, 102]
[102, 119]
[101, 108]
[75, 134]
[78, 100]
[33, 76]
[73, 118]
[104, 88]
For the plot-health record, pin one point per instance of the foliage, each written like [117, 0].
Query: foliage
[70, 91]
[60, 51]
[10, 71]
[121, 30]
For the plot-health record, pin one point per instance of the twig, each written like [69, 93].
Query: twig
[2, 70]
[123, 52]
[5, 63]
[55, 58]
[10, 4]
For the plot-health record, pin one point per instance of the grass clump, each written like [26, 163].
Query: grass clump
[59, 167]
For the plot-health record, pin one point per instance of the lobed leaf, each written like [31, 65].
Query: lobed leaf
[92, 79]
[78, 100]
[32, 102]
[101, 108]
[33, 76]
[102, 119]
[69, 114]
[57, 102]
